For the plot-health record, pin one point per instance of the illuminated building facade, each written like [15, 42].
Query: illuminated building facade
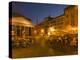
[66, 21]
[71, 14]
[21, 27]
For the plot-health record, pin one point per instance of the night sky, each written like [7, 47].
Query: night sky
[38, 11]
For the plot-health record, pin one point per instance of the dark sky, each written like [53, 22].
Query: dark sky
[37, 11]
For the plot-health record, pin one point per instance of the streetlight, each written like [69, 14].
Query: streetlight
[42, 32]
[49, 33]
[51, 30]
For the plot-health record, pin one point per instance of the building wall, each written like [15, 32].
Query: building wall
[21, 28]
[63, 22]
[71, 14]
[59, 22]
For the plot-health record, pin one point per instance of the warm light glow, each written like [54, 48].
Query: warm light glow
[49, 33]
[51, 29]
[42, 30]
[71, 29]
[74, 28]
[35, 31]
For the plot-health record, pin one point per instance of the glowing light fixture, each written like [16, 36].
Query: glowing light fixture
[51, 29]
[42, 30]
[49, 33]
